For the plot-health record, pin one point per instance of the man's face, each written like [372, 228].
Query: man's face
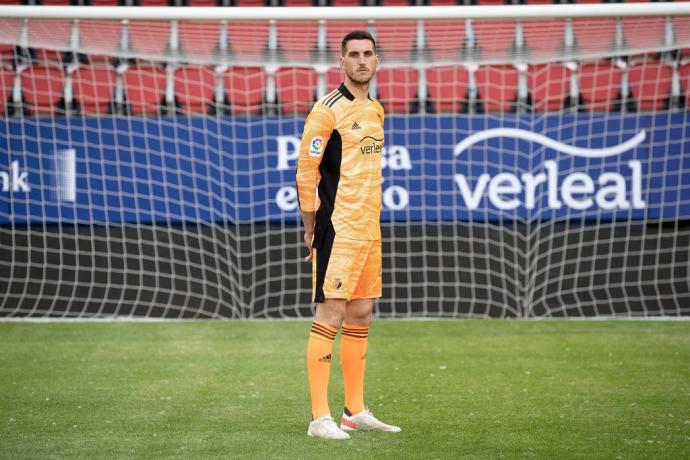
[360, 61]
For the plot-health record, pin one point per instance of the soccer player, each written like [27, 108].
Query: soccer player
[340, 156]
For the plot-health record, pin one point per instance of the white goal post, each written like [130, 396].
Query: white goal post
[536, 162]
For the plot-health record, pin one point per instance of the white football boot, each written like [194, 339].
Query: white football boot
[326, 428]
[365, 421]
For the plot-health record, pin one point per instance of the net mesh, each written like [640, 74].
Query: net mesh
[531, 167]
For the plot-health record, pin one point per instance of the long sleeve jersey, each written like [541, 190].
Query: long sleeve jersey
[340, 157]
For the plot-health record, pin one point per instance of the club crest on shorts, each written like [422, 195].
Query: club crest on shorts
[316, 146]
[337, 283]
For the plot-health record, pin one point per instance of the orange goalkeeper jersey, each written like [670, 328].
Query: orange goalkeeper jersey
[340, 156]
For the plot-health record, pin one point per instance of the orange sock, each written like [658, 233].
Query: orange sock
[319, 350]
[353, 355]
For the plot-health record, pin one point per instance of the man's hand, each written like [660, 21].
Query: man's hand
[308, 239]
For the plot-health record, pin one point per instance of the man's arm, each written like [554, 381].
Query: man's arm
[308, 218]
[317, 131]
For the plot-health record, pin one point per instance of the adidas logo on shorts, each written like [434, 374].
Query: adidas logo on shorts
[356, 126]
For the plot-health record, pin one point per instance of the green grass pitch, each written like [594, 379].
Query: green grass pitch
[459, 389]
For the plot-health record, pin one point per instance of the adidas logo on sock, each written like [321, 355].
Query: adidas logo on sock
[326, 359]
[356, 126]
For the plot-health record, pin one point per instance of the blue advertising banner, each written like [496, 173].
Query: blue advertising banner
[480, 168]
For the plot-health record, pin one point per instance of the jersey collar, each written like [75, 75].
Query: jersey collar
[346, 92]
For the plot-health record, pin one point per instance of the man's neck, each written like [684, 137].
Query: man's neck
[359, 91]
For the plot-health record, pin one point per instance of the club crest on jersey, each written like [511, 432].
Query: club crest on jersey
[316, 146]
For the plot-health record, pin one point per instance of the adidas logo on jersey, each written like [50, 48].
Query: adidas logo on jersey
[356, 126]
[326, 359]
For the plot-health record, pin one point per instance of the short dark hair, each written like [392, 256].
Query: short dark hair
[356, 35]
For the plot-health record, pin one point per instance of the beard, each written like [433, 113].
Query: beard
[360, 78]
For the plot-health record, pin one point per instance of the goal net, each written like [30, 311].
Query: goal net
[536, 160]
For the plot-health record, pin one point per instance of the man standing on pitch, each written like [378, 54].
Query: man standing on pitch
[340, 155]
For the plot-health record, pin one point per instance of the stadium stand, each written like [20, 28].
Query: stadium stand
[50, 31]
[199, 39]
[650, 85]
[599, 85]
[297, 39]
[194, 88]
[543, 37]
[497, 86]
[100, 35]
[501, 35]
[684, 77]
[586, 41]
[93, 87]
[296, 89]
[248, 39]
[244, 89]
[151, 36]
[6, 85]
[42, 88]
[548, 85]
[397, 89]
[334, 77]
[445, 39]
[144, 89]
[447, 88]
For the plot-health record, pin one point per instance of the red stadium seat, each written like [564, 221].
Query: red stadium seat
[297, 39]
[497, 85]
[144, 89]
[202, 3]
[336, 31]
[397, 89]
[594, 34]
[684, 74]
[6, 86]
[549, 85]
[643, 33]
[245, 88]
[447, 88]
[296, 89]
[43, 88]
[298, 3]
[152, 37]
[199, 39]
[681, 29]
[599, 83]
[254, 3]
[9, 34]
[100, 39]
[45, 33]
[396, 39]
[334, 77]
[93, 88]
[248, 39]
[153, 2]
[494, 38]
[650, 84]
[543, 38]
[444, 38]
[195, 88]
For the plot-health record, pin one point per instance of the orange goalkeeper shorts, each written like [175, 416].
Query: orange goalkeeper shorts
[346, 269]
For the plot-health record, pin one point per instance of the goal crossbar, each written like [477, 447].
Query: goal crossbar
[348, 13]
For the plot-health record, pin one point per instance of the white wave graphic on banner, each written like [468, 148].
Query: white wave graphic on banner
[550, 143]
